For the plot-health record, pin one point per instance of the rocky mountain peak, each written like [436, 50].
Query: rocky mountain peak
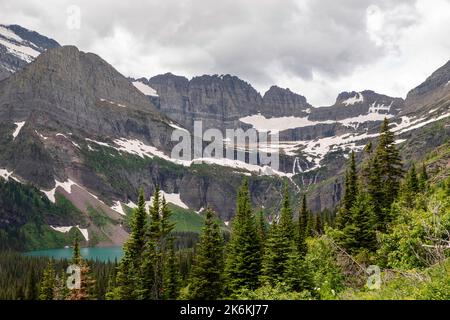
[280, 102]
[434, 88]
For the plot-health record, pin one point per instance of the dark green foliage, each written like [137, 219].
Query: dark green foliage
[302, 227]
[243, 263]
[207, 280]
[350, 193]
[25, 216]
[21, 277]
[48, 283]
[172, 273]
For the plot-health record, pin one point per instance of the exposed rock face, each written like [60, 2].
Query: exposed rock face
[19, 46]
[279, 102]
[435, 87]
[74, 94]
[353, 104]
[217, 100]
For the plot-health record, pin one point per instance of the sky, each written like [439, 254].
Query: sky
[317, 48]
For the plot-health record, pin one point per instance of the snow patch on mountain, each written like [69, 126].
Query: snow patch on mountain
[117, 206]
[261, 123]
[173, 198]
[83, 231]
[67, 186]
[145, 89]
[358, 98]
[5, 174]
[18, 128]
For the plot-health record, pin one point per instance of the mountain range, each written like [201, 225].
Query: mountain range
[78, 131]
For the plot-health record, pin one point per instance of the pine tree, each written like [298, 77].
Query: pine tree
[158, 234]
[297, 274]
[31, 292]
[206, 280]
[350, 193]
[319, 224]
[361, 231]
[412, 182]
[86, 282]
[129, 276]
[387, 155]
[172, 273]
[243, 264]
[286, 216]
[302, 227]
[48, 284]
[423, 179]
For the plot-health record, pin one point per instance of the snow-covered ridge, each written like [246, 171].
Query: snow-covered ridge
[17, 46]
[83, 231]
[145, 89]
[263, 124]
[358, 98]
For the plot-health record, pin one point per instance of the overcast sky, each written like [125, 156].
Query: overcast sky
[317, 48]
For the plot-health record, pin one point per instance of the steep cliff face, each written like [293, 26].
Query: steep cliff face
[217, 100]
[434, 88]
[279, 102]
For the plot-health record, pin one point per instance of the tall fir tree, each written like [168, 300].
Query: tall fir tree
[286, 216]
[350, 193]
[423, 179]
[171, 273]
[302, 227]
[86, 283]
[391, 168]
[243, 262]
[207, 277]
[129, 276]
[48, 283]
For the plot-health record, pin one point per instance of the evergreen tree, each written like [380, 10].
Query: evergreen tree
[48, 283]
[276, 254]
[31, 292]
[423, 179]
[350, 193]
[412, 182]
[243, 263]
[158, 233]
[86, 282]
[286, 216]
[388, 157]
[302, 227]
[361, 231]
[172, 273]
[129, 276]
[206, 280]
[297, 274]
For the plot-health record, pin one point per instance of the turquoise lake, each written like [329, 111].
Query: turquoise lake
[100, 254]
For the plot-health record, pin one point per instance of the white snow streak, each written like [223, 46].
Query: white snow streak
[358, 98]
[145, 89]
[19, 127]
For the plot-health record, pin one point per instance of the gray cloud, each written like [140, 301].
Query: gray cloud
[262, 41]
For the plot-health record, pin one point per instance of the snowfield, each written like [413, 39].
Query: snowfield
[355, 99]
[84, 232]
[145, 89]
